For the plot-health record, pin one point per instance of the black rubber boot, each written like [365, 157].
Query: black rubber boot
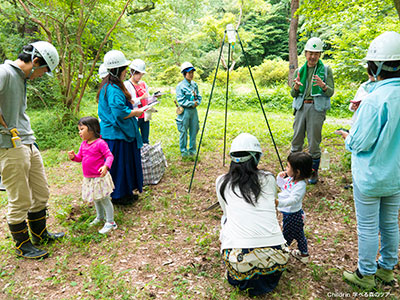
[37, 226]
[24, 247]
[314, 176]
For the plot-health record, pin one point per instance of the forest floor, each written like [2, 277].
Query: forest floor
[167, 247]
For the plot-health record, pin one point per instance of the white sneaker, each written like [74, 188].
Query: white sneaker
[108, 227]
[297, 254]
[96, 221]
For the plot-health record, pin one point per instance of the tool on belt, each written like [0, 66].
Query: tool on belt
[15, 139]
[179, 109]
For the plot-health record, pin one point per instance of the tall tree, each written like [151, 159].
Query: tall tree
[294, 22]
[269, 33]
[81, 30]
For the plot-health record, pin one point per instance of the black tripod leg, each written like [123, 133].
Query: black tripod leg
[226, 104]
[205, 118]
[259, 99]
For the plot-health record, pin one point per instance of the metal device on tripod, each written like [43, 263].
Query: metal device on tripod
[231, 32]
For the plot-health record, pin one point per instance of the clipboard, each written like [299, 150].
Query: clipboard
[148, 106]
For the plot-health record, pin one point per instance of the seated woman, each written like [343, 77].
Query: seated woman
[252, 242]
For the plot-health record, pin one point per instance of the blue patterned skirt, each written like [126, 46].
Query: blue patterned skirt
[126, 170]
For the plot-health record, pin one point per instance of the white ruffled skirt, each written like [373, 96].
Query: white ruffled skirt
[96, 188]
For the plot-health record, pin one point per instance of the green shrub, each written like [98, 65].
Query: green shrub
[171, 76]
[271, 72]
[55, 129]
[44, 92]
[340, 102]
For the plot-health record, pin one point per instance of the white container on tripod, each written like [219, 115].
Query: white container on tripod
[325, 160]
[231, 32]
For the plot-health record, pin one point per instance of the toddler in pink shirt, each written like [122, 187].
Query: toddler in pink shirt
[96, 160]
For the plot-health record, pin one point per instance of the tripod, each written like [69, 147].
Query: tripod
[231, 41]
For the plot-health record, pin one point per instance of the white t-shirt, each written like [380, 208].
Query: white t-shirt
[291, 197]
[246, 226]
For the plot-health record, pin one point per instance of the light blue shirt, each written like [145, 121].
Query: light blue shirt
[112, 109]
[374, 141]
[185, 95]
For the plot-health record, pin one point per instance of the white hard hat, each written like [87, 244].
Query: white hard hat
[48, 52]
[102, 71]
[314, 44]
[385, 47]
[245, 142]
[115, 59]
[186, 65]
[138, 65]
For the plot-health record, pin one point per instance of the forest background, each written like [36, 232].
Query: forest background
[166, 245]
[165, 33]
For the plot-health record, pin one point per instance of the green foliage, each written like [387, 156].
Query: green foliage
[170, 76]
[271, 72]
[348, 27]
[44, 92]
[55, 129]
[269, 34]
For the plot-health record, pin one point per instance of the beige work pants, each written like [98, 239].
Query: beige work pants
[23, 176]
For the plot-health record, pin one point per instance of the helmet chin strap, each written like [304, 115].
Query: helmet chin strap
[245, 158]
[33, 70]
[114, 75]
[33, 53]
[379, 64]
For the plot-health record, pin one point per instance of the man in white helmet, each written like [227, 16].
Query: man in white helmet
[188, 97]
[21, 164]
[374, 142]
[312, 90]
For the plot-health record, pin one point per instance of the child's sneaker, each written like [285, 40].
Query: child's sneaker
[96, 221]
[298, 255]
[108, 227]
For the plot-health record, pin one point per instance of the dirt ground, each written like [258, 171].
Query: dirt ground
[167, 247]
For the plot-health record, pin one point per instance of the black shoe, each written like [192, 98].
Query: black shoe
[37, 226]
[24, 247]
[349, 186]
[116, 201]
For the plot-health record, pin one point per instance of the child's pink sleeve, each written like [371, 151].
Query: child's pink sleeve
[106, 154]
[78, 156]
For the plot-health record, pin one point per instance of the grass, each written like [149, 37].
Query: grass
[166, 246]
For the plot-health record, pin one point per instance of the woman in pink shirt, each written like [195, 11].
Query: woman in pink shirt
[140, 94]
[96, 160]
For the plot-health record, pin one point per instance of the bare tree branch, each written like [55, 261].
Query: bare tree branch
[397, 6]
[148, 7]
[27, 10]
[98, 54]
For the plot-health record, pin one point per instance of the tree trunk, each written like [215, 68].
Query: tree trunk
[294, 22]
[397, 6]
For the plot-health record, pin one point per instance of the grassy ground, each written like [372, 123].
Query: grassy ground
[166, 246]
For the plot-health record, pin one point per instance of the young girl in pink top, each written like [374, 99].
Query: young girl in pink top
[96, 160]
